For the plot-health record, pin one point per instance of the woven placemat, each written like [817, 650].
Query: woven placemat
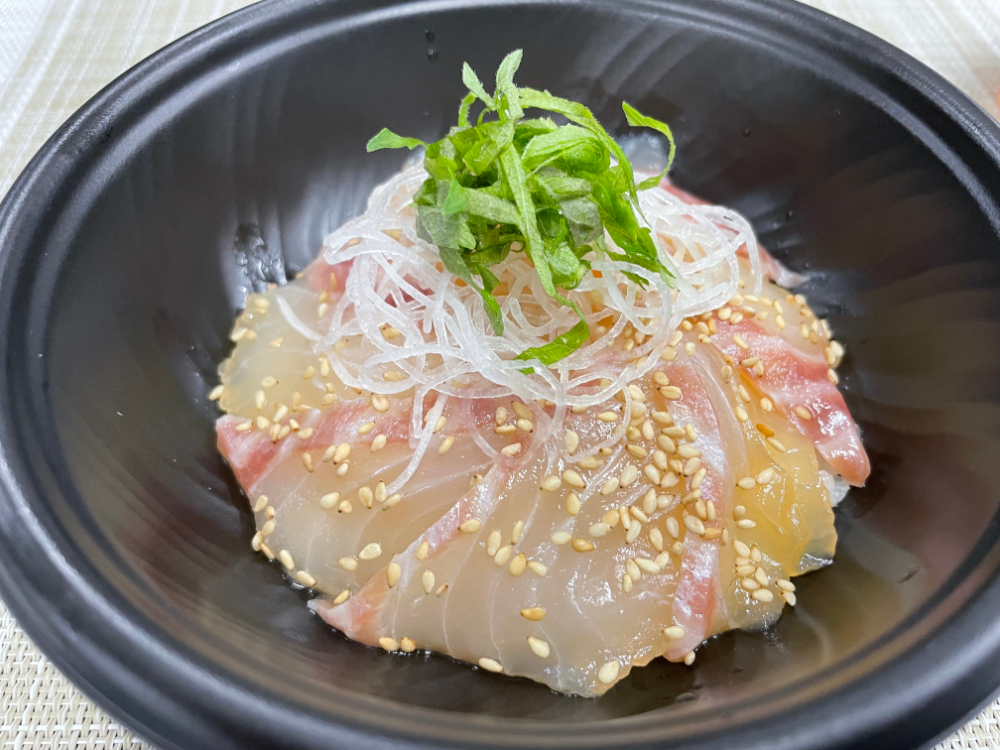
[55, 54]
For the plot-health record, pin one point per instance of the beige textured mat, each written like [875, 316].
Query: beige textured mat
[55, 54]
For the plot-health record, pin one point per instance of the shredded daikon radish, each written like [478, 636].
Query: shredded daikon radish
[445, 342]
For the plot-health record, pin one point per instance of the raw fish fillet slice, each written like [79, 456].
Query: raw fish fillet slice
[797, 377]
[456, 599]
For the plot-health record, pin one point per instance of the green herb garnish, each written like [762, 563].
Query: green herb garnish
[510, 184]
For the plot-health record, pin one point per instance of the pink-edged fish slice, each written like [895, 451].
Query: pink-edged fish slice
[794, 378]
[697, 600]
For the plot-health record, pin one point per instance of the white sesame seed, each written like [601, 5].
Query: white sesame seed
[609, 486]
[427, 581]
[503, 555]
[671, 392]
[537, 568]
[674, 632]
[608, 673]
[571, 441]
[329, 500]
[582, 545]
[551, 483]
[521, 410]
[535, 614]
[305, 578]
[342, 469]
[366, 496]
[688, 451]
[538, 647]
[342, 597]
[673, 527]
[763, 595]
[803, 413]
[701, 510]
[392, 573]
[777, 444]
[515, 535]
[493, 542]
[647, 566]
[765, 476]
[785, 585]
[348, 563]
[471, 526]
[366, 428]
[694, 524]
[746, 523]
[371, 551]
[561, 537]
[518, 564]
[633, 570]
[491, 665]
[573, 479]
[572, 503]
[446, 445]
[599, 530]
[511, 450]
[629, 474]
[387, 643]
[636, 451]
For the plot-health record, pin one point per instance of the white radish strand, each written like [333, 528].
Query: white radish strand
[446, 340]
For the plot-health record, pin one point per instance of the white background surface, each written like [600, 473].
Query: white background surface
[55, 54]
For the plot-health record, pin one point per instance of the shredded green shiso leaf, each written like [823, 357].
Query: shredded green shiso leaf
[513, 184]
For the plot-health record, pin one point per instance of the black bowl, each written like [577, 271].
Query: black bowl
[219, 163]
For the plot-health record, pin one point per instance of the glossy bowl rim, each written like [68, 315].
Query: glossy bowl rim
[111, 651]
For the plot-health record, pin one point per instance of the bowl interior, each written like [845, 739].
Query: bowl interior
[230, 175]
